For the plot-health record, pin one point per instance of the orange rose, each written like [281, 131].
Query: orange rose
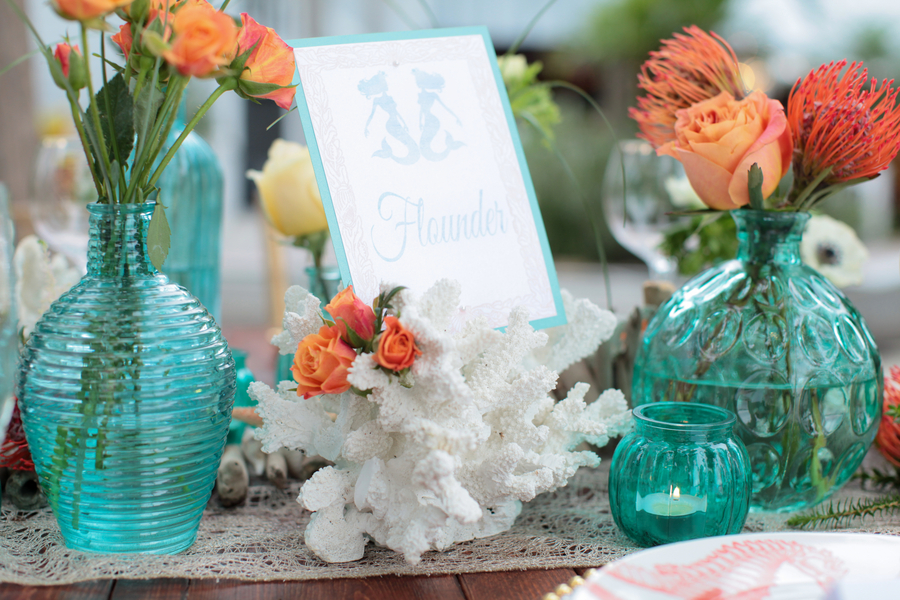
[347, 309]
[204, 40]
[85, 10]
[321, 363]
[718, 140]
[269, 70]
[396, 346]
[124, 39]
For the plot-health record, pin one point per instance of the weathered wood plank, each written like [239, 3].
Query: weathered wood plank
[513, 585]
[373, 588]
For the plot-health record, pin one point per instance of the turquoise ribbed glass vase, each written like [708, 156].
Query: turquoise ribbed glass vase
[191, 190]
[773, 341]
[126, 389]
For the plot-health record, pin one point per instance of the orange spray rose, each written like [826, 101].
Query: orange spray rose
[204, 40]
[717, 141]
[85, 10]
[347, 309]
[271, 63]
[396, 346]
[888, 439]
[321, 363]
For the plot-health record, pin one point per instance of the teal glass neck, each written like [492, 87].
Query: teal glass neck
[683, 422]
[118, 240]
[768, 236]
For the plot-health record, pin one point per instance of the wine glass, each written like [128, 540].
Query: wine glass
[639, 222]
[62, 189]
[9, 343]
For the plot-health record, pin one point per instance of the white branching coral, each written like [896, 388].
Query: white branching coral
[452, 457]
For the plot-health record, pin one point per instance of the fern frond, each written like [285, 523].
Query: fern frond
[843, 513]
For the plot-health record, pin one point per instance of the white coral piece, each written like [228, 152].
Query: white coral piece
[453, 457]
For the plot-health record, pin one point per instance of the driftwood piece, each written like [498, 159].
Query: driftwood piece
[252, 448]
[294, 461]
[276, 469]
[232, 479]
[23, 490]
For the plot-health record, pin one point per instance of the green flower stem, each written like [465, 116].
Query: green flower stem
[139, 153]
[229, 84]
[95, 115]
[79, 127]
[161, 128]
[112, 132]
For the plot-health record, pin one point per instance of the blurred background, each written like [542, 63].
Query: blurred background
[597, 45]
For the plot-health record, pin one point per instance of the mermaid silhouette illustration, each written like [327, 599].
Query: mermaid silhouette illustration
[430, 84]
[396, 127]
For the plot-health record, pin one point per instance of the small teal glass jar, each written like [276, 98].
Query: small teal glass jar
[126, 387]
[243, 378]
[681, 474]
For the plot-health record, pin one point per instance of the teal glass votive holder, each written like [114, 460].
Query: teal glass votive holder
[681, 474]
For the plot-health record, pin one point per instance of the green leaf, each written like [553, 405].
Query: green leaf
[121, 111]
[254, 88]
[146, 107]
[754, 186]
[158, 236]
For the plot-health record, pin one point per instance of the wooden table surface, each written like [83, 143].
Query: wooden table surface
[510, 585]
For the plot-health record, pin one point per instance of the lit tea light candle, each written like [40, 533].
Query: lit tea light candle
[672, 516]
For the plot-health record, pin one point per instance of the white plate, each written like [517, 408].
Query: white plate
[780, 566]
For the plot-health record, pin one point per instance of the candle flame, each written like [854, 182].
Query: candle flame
[676, 493]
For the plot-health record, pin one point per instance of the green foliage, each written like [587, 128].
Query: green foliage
[837, 514]
[630, 29]
[158, 236]
[879, 478]
[754, 187]
[528, 96]
[116, 107]
[701, 242]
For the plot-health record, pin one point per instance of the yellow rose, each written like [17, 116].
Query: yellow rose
[288, 190]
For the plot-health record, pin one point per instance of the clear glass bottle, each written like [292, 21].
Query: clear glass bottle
[772, 340]
[126, 387]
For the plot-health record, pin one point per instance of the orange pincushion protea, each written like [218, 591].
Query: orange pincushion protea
[838, 124]
[888, 438]
[687, 69]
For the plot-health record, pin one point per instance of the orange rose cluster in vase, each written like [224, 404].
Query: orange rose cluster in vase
[764, 335]
[323, 360]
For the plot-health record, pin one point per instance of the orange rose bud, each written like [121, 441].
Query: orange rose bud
[718, 140]
[204, 40]
[347, 309]
[269, 70]
[321, 363]
[396, 346]
[85, 10]
[72, 63]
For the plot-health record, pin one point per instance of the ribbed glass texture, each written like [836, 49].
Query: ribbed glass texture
[126, 389]
[681, 474]
[191, 190]
[772, 340]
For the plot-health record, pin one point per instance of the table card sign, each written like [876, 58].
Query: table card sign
[421, 170]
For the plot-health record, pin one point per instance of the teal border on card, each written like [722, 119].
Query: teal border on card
[315, 155]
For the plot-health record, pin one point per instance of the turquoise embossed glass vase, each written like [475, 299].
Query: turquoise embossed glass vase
[772, 340]
[126, 388]
[191, 189]
[681, 474]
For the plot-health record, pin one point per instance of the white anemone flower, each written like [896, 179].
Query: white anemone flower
[40, 280]
[832, 248]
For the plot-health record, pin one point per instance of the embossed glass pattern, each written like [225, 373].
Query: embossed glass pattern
[126, 388]
[772, 340]
[681, 474]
